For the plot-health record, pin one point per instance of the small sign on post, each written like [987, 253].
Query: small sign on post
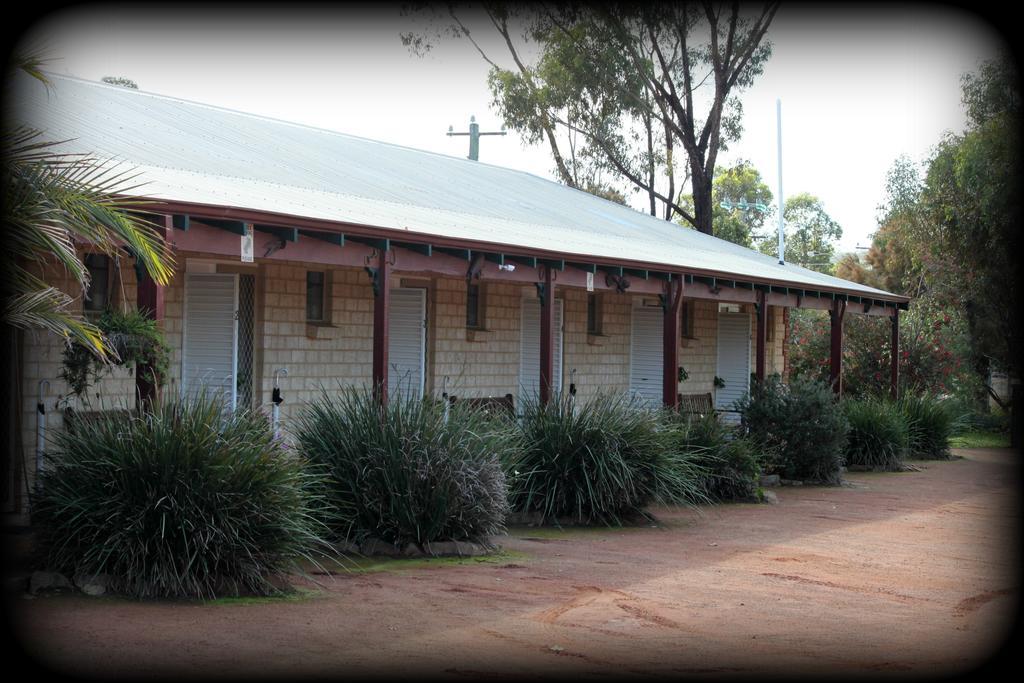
[247, 244]
[590, 282]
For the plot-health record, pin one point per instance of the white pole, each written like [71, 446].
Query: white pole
[277, 400]
[782, 202]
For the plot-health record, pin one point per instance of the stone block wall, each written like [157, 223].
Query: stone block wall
[477, 363]
[42, 357]
[316, 355]
[699, 353]
[601, 361]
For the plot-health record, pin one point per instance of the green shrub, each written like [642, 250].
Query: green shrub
[730, 461]
[133, 338]
[602, 463]
[931, 422]
[878, 437]
[404, 474]
[801, 424]
[190, 501]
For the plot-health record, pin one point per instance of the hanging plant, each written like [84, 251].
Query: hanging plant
[132, 338]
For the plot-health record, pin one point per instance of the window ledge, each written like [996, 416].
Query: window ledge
[320, 330]
[477, 335]
[596, 339]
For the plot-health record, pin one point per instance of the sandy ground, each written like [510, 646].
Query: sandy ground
[898, 575]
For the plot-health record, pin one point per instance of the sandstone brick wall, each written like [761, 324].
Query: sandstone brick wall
[315, 355]
[601, 361]
[41, 359]
[699, 355]
[477, 363]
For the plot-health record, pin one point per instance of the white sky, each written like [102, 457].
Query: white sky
[858, 87]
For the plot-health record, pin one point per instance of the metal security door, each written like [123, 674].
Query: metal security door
[646, 353]
[407, 338]
[210, 336]
[733, 361]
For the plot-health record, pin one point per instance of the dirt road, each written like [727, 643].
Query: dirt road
[913, 573]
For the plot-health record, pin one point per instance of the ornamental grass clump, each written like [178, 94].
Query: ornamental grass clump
[404, 473]
[731, 461]
[601, 462]
[189, 501]
[931, 422]
[801, 424]
[878, 437]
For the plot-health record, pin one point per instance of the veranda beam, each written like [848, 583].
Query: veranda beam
[335, 238]
[761, 332]
[283, 233]
[835, 372]
[546, 290]
[894, 356]
[672, 305]
[380, 277]
[149, 299]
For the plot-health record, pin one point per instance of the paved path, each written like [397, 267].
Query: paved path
[909, 574]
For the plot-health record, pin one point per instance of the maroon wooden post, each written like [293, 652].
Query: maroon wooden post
[894, 356]
[761, 332]
[547, 338]
[673, 304]
[381, 276]
[149, 300]
[835, 375]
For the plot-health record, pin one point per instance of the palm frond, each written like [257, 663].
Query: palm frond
[46, 309]
[84, 198]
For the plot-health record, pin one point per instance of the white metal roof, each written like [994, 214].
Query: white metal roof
[195, 153]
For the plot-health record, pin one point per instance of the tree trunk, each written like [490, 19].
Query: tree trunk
[702, 204]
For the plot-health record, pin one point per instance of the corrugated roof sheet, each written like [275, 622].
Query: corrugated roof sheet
[195, 153]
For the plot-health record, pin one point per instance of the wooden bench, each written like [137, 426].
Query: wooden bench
[696, 404]
[491, 404]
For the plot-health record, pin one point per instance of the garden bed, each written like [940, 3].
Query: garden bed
[848, 581]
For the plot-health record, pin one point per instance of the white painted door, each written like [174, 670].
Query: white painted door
[646, 354]
[407, 338]
[210, 336]
[733, 360]
[529, 349]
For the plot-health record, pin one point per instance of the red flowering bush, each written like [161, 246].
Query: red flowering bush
[933, 350]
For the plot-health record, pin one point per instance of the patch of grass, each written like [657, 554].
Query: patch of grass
[556, 532]
[296, 595]
[980, 439]
[370, 565]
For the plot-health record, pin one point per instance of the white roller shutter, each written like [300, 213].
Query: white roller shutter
[646, 354]
[529, 349]
[733, 360]
[210, 344]
[407, 341]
